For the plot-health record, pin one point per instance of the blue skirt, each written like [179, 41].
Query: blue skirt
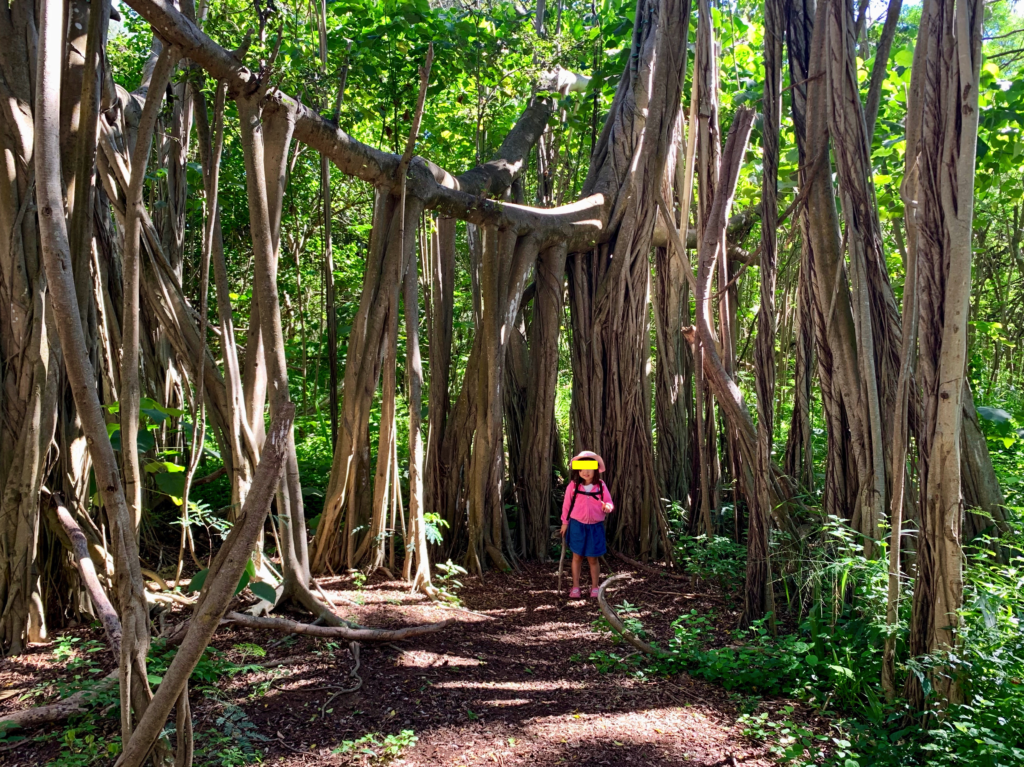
[587, 540]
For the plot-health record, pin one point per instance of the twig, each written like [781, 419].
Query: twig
[561, 564]
[410, 142]
[802, 82]
[213, 475]
[334, 601]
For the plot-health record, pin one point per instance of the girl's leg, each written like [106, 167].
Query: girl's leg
[577, 566]
[595, 570]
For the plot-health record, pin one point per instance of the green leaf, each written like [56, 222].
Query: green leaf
[171, 483]
[812, 660]
[242, 582]
[1001, 421]
[146, 441]
[264, 591]
[196, 584]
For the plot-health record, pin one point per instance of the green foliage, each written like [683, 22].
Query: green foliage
[719, 559]
[831, 662]
[432, 527]
[232, 741]
[379, 749]
[447, 581]
[84, 745]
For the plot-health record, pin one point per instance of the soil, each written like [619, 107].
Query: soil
[513, 682]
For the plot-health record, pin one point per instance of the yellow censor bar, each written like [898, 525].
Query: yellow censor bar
[585, 463]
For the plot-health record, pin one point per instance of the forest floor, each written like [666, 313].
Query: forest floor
[513, 682]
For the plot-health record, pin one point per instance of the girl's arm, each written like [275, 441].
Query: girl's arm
[566, 503]
[609, 505]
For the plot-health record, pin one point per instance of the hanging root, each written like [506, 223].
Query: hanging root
[335, 632]
[619, 626]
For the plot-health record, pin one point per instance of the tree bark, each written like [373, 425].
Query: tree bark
[874, 311]
[130, 388]
[79, 548]
[539, 419]
[757, 594]
[949, 46]
[219, 588]
[57, 262]
[609, 285]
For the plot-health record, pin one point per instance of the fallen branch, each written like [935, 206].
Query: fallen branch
[617, 624]
[59, 711]
[334, 632]
[77, 703]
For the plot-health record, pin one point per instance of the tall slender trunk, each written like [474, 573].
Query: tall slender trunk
[709, 144]
[949, 46]
[757, 595]
[130, 388]
[609, 285]
[539, 419]
[57, 262]
[874, 312]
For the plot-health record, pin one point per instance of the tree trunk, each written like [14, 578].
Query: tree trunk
[28, 344]
[609, 285]
[757, 593]
[875, 316]
[57, 261]
[949, 52]
[539, 419]
[673, 390]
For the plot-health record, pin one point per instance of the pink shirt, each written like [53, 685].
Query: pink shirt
[587, 510]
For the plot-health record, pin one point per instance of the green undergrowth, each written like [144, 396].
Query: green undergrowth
[826, 658]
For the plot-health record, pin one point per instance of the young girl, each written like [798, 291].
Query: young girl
[587, 502]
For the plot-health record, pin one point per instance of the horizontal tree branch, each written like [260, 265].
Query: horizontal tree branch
[462, 197]
[739, 226]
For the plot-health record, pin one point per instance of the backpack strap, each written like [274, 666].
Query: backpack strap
[575, 491]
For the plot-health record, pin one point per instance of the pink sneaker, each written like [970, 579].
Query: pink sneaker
[593, 593]
[575, 593]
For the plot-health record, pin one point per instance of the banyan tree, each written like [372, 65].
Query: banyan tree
[96, 316]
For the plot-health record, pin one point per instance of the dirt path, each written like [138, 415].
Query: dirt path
[509, 685]
[515, 688]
